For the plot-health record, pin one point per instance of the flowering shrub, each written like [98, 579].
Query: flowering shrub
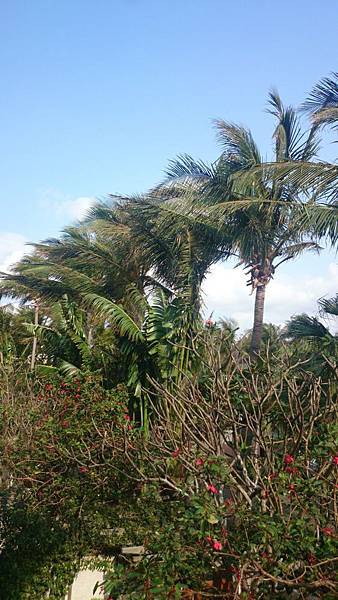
[64, 437]
[232, 493]
[62, 457]
[242, 502]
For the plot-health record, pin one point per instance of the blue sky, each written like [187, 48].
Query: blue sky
[98, 96]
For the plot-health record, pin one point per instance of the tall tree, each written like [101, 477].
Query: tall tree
[239, 197]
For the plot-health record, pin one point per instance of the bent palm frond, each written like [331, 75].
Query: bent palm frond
[115, 313]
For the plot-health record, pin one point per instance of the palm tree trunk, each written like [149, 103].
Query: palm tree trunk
[257, 330]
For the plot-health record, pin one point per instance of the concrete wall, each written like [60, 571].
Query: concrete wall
[83, 585]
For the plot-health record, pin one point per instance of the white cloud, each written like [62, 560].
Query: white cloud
[226, 294]
[65, 207]
[12, 247]
[78, 208]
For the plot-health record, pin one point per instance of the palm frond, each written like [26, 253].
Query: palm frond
[322, 103]
[185, 166]
[115, 313]
[304, 326]
[294, 250]
[69, 370]
[329, 306]
[239, 147]
[291, 143]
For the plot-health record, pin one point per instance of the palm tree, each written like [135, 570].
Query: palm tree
[322, 103]
[81, 260]
[175, 255]
[239, 198]
[317, 177]
[319, 345]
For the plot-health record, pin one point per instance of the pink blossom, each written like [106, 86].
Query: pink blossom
[288, 459]
[199, 462]
[335, 460]
[217, 545]
[328, 531]
[291, 470]
[176, 453]
[212, 489]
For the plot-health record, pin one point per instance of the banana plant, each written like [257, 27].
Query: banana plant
[66, 343]
[160, 348]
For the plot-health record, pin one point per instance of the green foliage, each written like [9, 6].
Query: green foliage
[62, 458]
[38, 555]
[125, 421]
[222, 517]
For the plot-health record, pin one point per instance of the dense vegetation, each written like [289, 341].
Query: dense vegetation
[127, 419]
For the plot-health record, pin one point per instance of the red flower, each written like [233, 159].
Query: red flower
[65, 423]
[209, 323]
[292, 487]
[335, 460]
[83, 469]
[217, 545]
[311, 559]
[48, 387]
[291, 470]
[199, 462]
[288, 459]
[212, 489]
[127, 417]
[229, 502]
[328, 531]
[176, 453]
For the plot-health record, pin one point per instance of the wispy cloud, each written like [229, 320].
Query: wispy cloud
[65, 207]
[12, 247]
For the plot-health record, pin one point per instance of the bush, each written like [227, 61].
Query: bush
[62, 458]
[231, 493]
[239, 489]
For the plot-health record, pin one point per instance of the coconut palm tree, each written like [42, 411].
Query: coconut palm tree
[175, 255]
[322, 102]
[239, 198]
[314, 338]
[81, 260]
[317, 177]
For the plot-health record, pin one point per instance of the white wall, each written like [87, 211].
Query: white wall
[83, 585]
